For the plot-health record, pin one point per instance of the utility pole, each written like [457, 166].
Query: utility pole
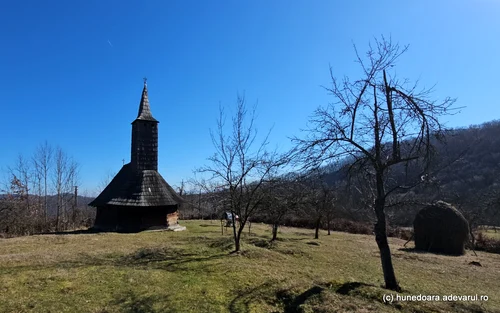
[76, 196]
[199, 205]
[75, 204]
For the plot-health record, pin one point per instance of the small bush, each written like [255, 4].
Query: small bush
[487, 244]
[400, 232]
[147, 254]
[261, 243]
[348, 226]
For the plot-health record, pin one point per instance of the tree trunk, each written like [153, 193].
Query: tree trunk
[236, 235]
[329, 233]
[383, 246]
[46, 214]
[237, 244]
[380, 227]
[57, 213]
[275, 232]
[237, 240]
[318, 222]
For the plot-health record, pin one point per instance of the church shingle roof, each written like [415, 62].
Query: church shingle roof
[137, 188]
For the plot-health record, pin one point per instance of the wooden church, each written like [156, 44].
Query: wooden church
[138, 198]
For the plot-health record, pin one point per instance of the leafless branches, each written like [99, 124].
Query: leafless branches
[24, 206]
[405, 119]
[63, 179]
[42, 161]
[240, 164]
[380, 123]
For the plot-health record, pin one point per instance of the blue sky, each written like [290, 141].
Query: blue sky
[71, 71]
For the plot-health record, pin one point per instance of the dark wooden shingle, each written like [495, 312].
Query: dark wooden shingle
[145, 188]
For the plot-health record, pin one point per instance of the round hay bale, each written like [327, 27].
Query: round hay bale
[440, 228]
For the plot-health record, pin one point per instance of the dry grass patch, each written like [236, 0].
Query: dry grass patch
[194, 271]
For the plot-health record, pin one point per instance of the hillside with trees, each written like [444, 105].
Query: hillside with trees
[466, 172]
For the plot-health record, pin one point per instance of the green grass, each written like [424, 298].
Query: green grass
[194, 271]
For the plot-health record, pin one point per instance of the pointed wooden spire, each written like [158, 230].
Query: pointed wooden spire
[144, 108]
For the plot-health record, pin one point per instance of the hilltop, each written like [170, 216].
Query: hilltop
[194, 271]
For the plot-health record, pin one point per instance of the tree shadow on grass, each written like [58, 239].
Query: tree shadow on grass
[130, 302]
[210, 225]
[101, 231]
[346, 288]
[72, 232]
[179, 265]
[169, 259]
[241, 303]
[166, 258]
[292, 239]
[293, 302]
[413, 250]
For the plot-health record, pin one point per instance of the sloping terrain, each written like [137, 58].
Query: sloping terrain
[194, 271]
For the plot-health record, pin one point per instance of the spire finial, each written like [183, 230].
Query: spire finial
[145, 81]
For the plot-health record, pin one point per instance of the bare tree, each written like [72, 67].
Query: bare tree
[382, 124]
[105, 180]
[24, 205]
[22, 183]
[330, 199]
[282, 196]
[42, 161]
[240, 165]
[22, 171]
[72, 190]
[64, 178]
[38, 190]
[318, 199]
[13, 207]
[207, 197]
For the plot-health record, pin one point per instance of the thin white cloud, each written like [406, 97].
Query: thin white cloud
[110, 44]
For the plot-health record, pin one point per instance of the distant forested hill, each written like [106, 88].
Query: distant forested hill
[465, 172]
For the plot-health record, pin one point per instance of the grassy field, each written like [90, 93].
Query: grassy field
[194, 271]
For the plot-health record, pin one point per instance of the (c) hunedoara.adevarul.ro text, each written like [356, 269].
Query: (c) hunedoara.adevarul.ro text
[389, 298]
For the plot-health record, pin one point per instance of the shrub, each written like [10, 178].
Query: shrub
[487, 244]
[352, 227]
